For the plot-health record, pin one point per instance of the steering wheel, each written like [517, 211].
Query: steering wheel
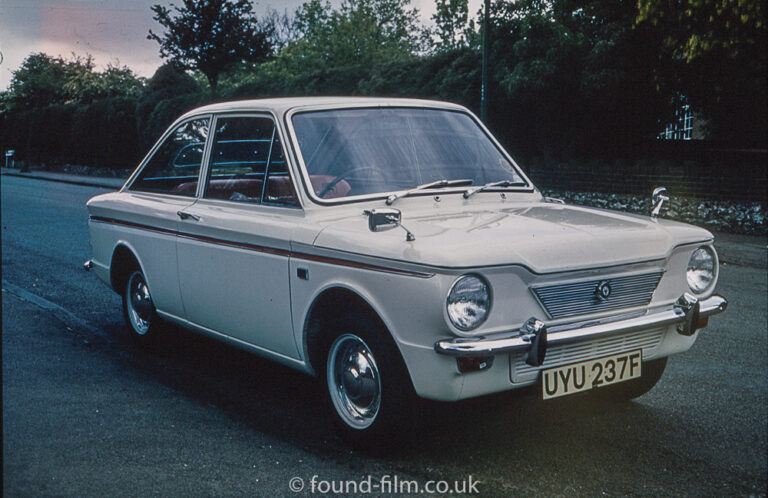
[346, 176]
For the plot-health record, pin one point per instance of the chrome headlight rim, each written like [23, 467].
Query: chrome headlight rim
[715, 262]
[489, 298]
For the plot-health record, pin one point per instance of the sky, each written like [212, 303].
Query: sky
[112, 31]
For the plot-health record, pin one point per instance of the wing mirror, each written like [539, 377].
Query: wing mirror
[658, 198]
[382, 219]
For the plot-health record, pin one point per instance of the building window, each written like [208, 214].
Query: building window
[682, 126]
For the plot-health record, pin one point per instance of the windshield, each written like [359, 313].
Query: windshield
[352, 152]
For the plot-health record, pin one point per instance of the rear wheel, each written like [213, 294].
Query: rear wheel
[368, 387]
[625, 391]
[139, 310]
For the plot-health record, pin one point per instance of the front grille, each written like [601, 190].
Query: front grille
[647, 340]
[581, 298]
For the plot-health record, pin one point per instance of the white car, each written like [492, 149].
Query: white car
[394, 249]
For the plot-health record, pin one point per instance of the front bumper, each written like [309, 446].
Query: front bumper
[534, 337]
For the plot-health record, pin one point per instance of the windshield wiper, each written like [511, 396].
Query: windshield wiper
[503, 183]
[436, 184]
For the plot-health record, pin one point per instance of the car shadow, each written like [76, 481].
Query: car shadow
[289, 405]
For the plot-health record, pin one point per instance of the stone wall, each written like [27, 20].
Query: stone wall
[701, 170]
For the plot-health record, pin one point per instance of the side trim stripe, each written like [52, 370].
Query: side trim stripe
[265, 249]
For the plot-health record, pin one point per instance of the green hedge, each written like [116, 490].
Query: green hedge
[167, 111]
[102, 134]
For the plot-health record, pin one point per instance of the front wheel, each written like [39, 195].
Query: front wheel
[369, 390]
[354, 381]
[139, 310]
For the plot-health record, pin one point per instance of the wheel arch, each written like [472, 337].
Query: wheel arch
[320, 316]
[124, 258]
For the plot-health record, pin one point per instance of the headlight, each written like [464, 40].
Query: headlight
[701, 269]
[469, 302]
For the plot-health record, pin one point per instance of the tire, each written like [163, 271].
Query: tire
[626, 391]
[139, 311]
[368, 389]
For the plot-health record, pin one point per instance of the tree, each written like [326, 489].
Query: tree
[39, 81]
[42, 80]
[281, 28]
[454, 28]
[572, 76]
[119, 81]
[167, 83]
[360, 33]
[85, 85]
[714, 53]
[211, 35]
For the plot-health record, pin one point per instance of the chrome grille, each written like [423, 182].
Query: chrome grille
[580, 298]
[647, 340]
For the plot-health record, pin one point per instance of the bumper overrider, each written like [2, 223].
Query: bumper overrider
[534, 337]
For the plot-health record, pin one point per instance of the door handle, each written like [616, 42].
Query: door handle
[187, 216]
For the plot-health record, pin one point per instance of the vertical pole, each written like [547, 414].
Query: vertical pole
[484, 83]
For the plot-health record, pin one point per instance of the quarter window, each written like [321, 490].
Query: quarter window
[247, 163]
[175, 166]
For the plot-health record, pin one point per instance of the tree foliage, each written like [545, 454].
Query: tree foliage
[572, 76]
[714, 53]
[167, 82]
[211, 35]
[360, 32]
[453, 27]
[42, 80]
[281, 27]
[569, 78]
[58, 110]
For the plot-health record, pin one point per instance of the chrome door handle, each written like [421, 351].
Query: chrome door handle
[187, 216]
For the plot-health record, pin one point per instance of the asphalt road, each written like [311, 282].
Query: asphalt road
[86, 414]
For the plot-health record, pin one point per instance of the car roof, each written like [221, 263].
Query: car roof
[282, 105]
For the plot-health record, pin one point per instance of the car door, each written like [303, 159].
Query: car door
[235, 244]
[165, 185]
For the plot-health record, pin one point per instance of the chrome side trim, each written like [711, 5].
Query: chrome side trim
[271, 250]
[517, 340]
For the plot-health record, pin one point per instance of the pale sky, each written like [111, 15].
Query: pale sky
[110, 30]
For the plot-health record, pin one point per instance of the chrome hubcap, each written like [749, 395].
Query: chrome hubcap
[139, 303]
[353, 381]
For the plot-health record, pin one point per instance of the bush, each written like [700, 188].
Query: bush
[167, 83]
[167, 111]
[102, 134]
[118, 147]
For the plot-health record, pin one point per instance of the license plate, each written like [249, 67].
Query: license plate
[600, 372]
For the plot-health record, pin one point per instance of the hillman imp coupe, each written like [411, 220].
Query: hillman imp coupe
[392, 248]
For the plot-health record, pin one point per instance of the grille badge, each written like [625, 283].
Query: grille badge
[603, 290]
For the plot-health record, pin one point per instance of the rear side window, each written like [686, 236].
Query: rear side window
[247, 163]
[174, 168]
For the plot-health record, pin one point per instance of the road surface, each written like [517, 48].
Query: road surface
[86, 414]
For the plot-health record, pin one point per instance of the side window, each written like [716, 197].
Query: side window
[247, 163]
[279, 186]
[175, 166]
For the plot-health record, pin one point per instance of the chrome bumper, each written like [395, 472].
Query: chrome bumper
[685, 313]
